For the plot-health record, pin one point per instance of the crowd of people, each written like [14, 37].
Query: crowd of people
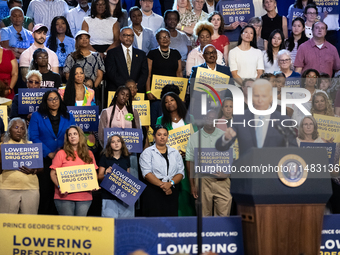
[79, 54]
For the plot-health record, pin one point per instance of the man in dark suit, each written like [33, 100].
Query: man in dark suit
[266, 135]
[126, 62]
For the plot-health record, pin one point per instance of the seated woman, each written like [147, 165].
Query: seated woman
[19, 189]
[48, 126]
[275, 44]
[91, 62]
[144, 38]
[163, 168]
[76, 93]
[33, 81]
[321, 104]
[40, 63]
[73, 153]
[308, 131]
[118, 113]
[115, 152]
[225, 113]
[284, 60]
[61, 40]
[103, 28]
[203, 30]
[6, 21]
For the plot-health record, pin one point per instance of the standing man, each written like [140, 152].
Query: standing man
[76, 15]
[150, 19]
[39, 36]
[215, 192]
[43, 11]
[256, 137]
[317, 53]
[126, 62]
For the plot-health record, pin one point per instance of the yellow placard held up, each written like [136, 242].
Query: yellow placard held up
[178, 137]
[77, 178]
[3, 115]
[143, 109]
[139, 97]
[328, 127]
[210, 78]
[44, 234]
[150, 134]
[159, 82]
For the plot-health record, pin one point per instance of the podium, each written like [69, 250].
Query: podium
[278, 219]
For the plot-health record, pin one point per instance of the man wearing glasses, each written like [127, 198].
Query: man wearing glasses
[16, 37]
[39, 35]
[317, 53]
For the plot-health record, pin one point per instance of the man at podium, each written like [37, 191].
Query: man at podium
[258, 131]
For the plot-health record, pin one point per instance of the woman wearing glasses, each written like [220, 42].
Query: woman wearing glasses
[308, 131]
[61, 40]
[48, 126]
[285, 63]
[40, 62]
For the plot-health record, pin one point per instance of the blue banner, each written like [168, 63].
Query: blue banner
[213, 162]
[14, 156]
[133, 137]
[329, 6]
[330, 147]
[236, 10]
[330, 244]
[86, 117]
[294, 82]
[177, 235]
[294, 13]
[123, 185]
[29, 100]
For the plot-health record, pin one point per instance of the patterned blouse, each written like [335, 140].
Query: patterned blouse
[187, 19]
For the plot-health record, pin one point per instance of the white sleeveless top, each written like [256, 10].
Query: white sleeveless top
[100, 30]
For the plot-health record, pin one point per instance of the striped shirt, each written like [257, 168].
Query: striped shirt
[43, 11]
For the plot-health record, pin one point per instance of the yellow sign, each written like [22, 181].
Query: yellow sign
[236, 150]
[139, 97]
[159, 82]
[43, 235]
[178, 137]
[150, 134]
[3, 115]
[328, 127]
[209, 77]
[143, 109]
[77, 178]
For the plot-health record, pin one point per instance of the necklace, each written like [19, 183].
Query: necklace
[138, 31]
[165, 55]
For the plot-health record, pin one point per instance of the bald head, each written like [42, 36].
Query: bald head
[262, 94]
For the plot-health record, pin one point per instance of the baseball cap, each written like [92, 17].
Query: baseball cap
[82, 32]
[39, 26]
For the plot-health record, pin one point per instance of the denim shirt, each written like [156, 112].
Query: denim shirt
[152, 161]
[10, 34]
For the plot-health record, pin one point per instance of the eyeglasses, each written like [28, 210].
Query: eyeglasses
[62, 45]
[41, 58]
[128, 35]
[312, 76]
[20, 37]
[164, 37]
[210, 52]
[285, 60]
[34, 82]
[55, 99]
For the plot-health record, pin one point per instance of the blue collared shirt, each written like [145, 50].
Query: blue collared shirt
[69, 47]
[75, 18]
[10, 34]
[152, 161]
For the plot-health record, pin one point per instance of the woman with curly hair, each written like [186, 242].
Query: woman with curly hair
[321, 104]
[73, 153]
[61, 40]
[218, 39]
[204, 31]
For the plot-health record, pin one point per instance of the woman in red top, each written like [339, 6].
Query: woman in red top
[8, 71]
[218, 39]
[74, 153]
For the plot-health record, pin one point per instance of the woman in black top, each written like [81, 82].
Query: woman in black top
[272, 20]
[162, 61]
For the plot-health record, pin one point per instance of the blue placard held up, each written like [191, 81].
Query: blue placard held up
[236, 10]
[14, 156]
[123, 185]
[86, 117]
[330, 147]
[294, 13]
[133, 137]
[29, 100]
[329, 6]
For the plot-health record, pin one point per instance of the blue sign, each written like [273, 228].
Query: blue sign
[123, 185]
[133, 137]
[29, 100]
[86, 117]
[14, 156]
[329, 6]
[177, 235]
[330, 147]
[213, 162]
[330, 243]
[294, 82]
[236, 10]
[294, 13]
